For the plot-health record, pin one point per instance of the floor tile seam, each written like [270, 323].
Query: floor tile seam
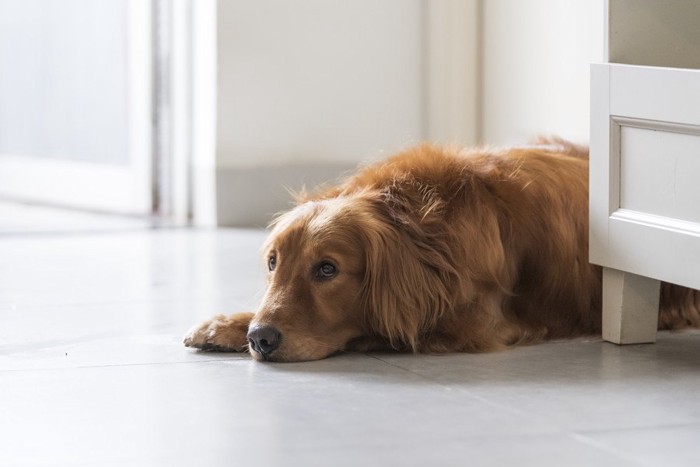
[562, 428]
[131, 301]
[30, 235]
[408, 370]
[69, 344]
[420, 375]
[584, 440]
[8, 350]
[437, 438]
[485, 400]
[454, 388]
[115, 365]
[662, 426]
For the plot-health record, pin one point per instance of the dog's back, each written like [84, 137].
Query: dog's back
[520, 218]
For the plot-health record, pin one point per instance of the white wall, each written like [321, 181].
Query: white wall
[452, 109]
[536, 56]
[306, 90]
[317, 80]
[334, 80]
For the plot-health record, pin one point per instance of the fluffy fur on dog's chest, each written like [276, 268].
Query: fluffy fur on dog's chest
[436, 250]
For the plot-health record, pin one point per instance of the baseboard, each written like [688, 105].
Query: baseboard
[251, 196]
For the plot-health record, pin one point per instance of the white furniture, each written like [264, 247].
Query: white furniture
[645, 161]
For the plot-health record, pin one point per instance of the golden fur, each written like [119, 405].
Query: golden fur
[436, 250]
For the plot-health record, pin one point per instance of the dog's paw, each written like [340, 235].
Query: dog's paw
[220, 334]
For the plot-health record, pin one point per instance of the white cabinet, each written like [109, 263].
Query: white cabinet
[645, 162]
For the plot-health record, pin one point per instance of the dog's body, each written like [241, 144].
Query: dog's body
[434, 250]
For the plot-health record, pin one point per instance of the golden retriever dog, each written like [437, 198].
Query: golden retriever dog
[435, 249]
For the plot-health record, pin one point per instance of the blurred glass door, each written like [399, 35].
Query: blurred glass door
[76, 103]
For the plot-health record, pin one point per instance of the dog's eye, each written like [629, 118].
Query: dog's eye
[272, 263]
[326, 270]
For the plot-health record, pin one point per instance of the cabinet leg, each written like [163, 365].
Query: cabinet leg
[630, 307]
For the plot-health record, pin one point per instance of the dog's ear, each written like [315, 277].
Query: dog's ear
[410, 274]
[418, 265]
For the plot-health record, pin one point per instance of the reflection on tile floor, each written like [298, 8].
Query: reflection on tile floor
[93, 372]
[27, 218]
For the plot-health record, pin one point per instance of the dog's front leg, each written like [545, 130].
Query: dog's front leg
[221, 333]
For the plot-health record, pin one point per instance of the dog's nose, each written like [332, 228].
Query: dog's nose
[264, 339]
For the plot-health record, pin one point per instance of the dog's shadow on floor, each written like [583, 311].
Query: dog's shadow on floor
[676, 355]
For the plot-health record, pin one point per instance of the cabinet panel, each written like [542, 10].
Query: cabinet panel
[652, 93]
[645, 162]
[659, 173]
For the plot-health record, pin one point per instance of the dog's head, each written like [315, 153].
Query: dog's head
[343, 269]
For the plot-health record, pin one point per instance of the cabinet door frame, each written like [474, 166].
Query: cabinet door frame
[652, 99]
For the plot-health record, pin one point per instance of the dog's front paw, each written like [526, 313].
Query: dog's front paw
[221, 334]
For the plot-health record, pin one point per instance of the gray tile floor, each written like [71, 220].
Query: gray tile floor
[92, 372]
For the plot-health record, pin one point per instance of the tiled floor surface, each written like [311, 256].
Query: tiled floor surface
[93, 372]
[22, 218]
